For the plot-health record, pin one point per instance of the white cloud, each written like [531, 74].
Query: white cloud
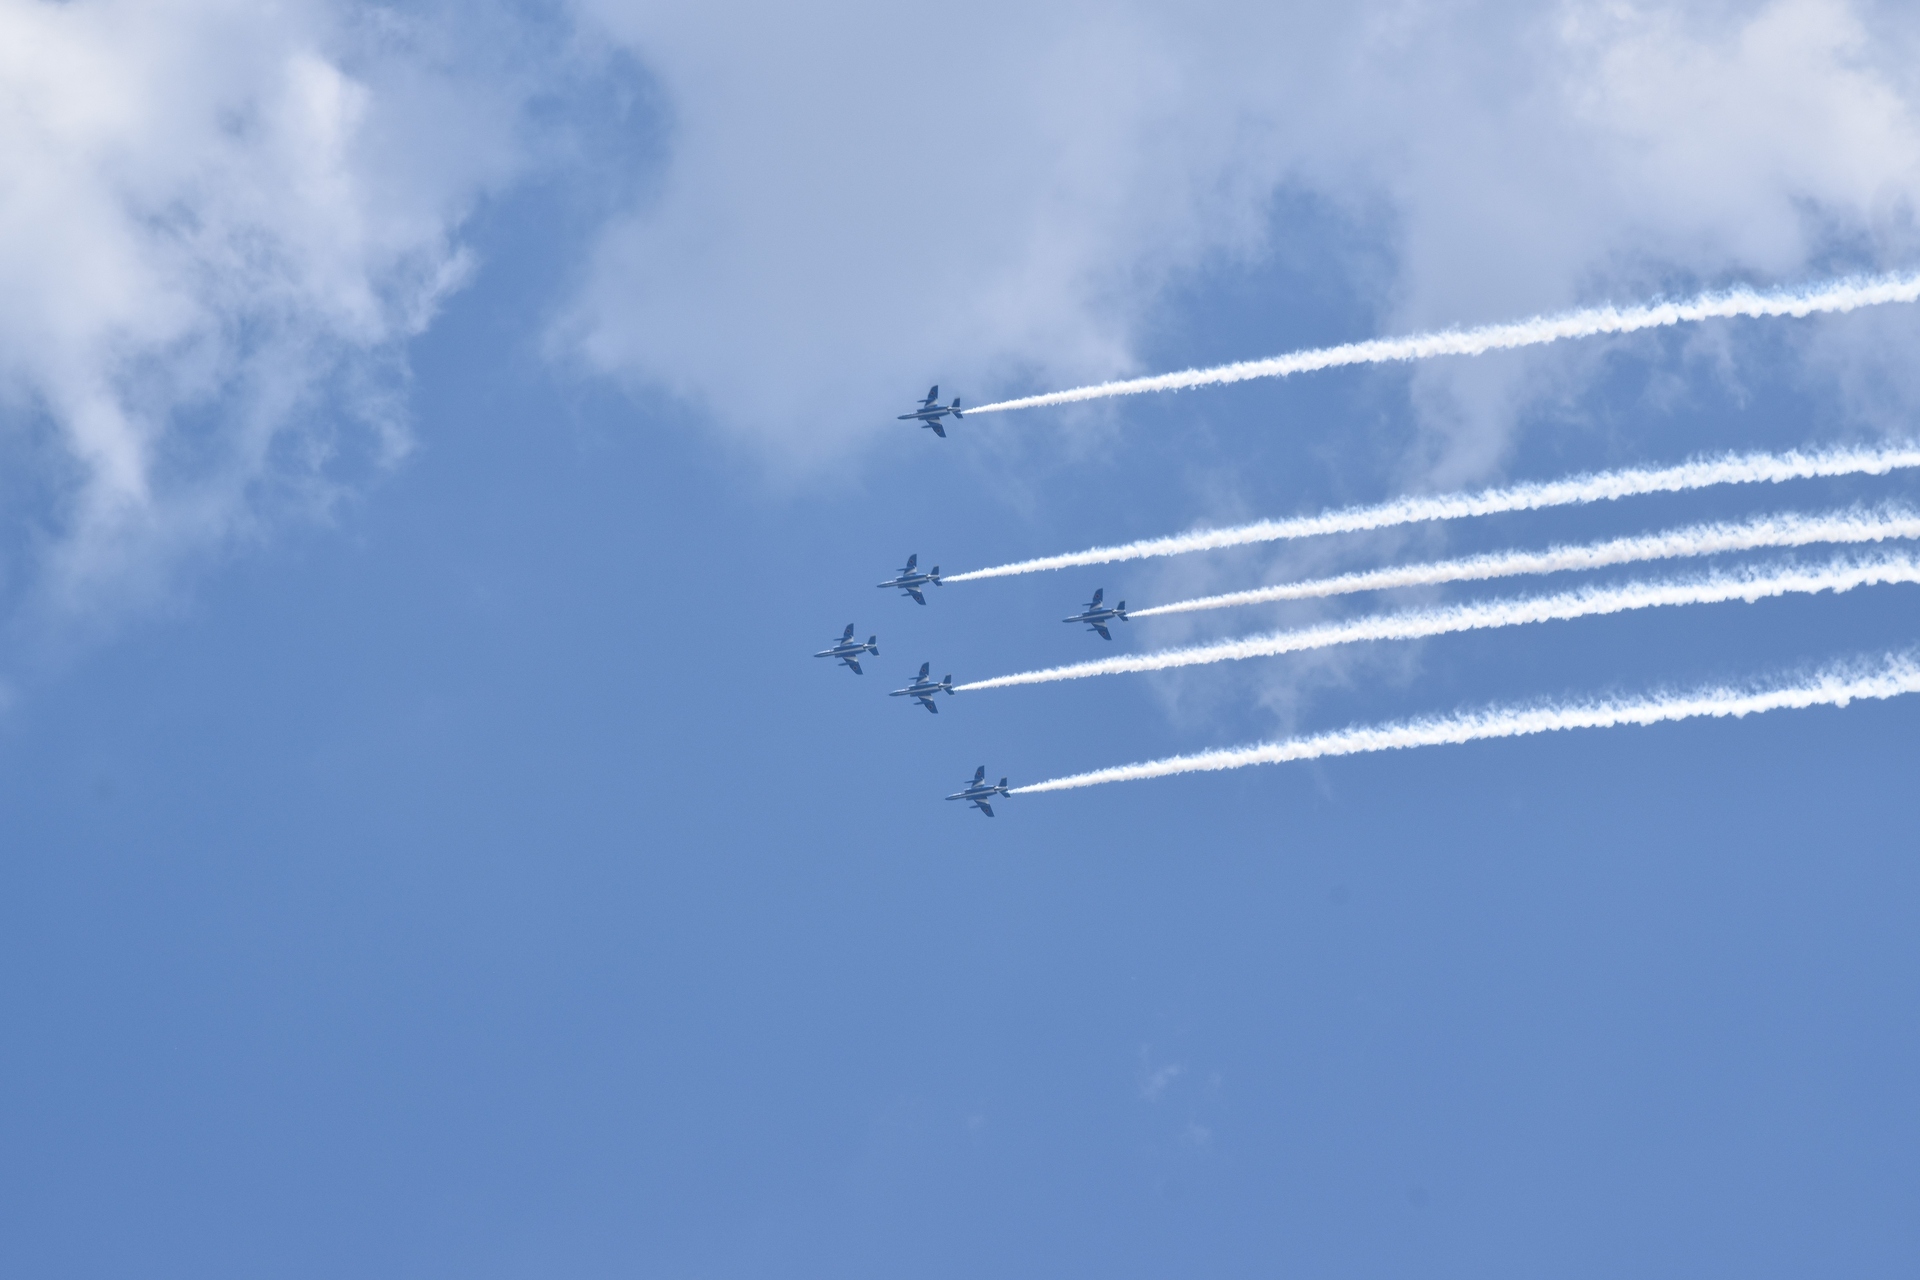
[860, 193]
[219, 224]
[1630, 149]
[864, 197]
[1721, 134]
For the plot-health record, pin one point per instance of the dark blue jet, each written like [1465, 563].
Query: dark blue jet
[979, 791]
[924, 689]
[931, 411]
[849, 649]
[1096, 617]
[910, 582]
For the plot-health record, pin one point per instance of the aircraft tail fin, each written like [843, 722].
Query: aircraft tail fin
[956, 406]
[935, 575]
[1120, 610]
[1003, 786]
[873, 645]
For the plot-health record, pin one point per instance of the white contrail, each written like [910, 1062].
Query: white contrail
[1752, 468]
[1699, 540]
[1834, 687]
[1748, 585]
[1587, 322]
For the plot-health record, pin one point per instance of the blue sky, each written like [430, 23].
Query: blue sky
[429, 849]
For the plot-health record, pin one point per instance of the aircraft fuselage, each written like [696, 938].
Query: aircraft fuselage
[924, 692]
[980, 793]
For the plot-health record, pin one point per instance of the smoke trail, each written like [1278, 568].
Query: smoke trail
[1840, 295]
[1748, 585]
[1752, 468]
[1699, 540]
[1834, 687]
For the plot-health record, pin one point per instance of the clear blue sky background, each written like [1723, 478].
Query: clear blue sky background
[484, 881]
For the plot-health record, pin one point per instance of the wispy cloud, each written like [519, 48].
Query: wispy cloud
[1154, 1080]
[219, 237]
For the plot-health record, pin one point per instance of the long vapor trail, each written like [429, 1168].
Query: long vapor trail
[1699, 540]
[1839, 295]
[1834, 687]
[1604, 486]
[1748, 585]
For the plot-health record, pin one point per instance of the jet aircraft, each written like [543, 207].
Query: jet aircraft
[1097, 617]
[924, 688]
[931, 411]
[979, 791]
[910, 581]
[849, 649]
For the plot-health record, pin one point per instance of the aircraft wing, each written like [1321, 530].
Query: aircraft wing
[937, 428]
[927, 702]
[985, 807]
[855, 664]
[1101, 628]
[917, 597]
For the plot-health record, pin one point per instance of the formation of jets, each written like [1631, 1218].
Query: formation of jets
[924, 687]
[849, 649]
[979, 791]
[1097, 617]
[910, 581]
[931, 411]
